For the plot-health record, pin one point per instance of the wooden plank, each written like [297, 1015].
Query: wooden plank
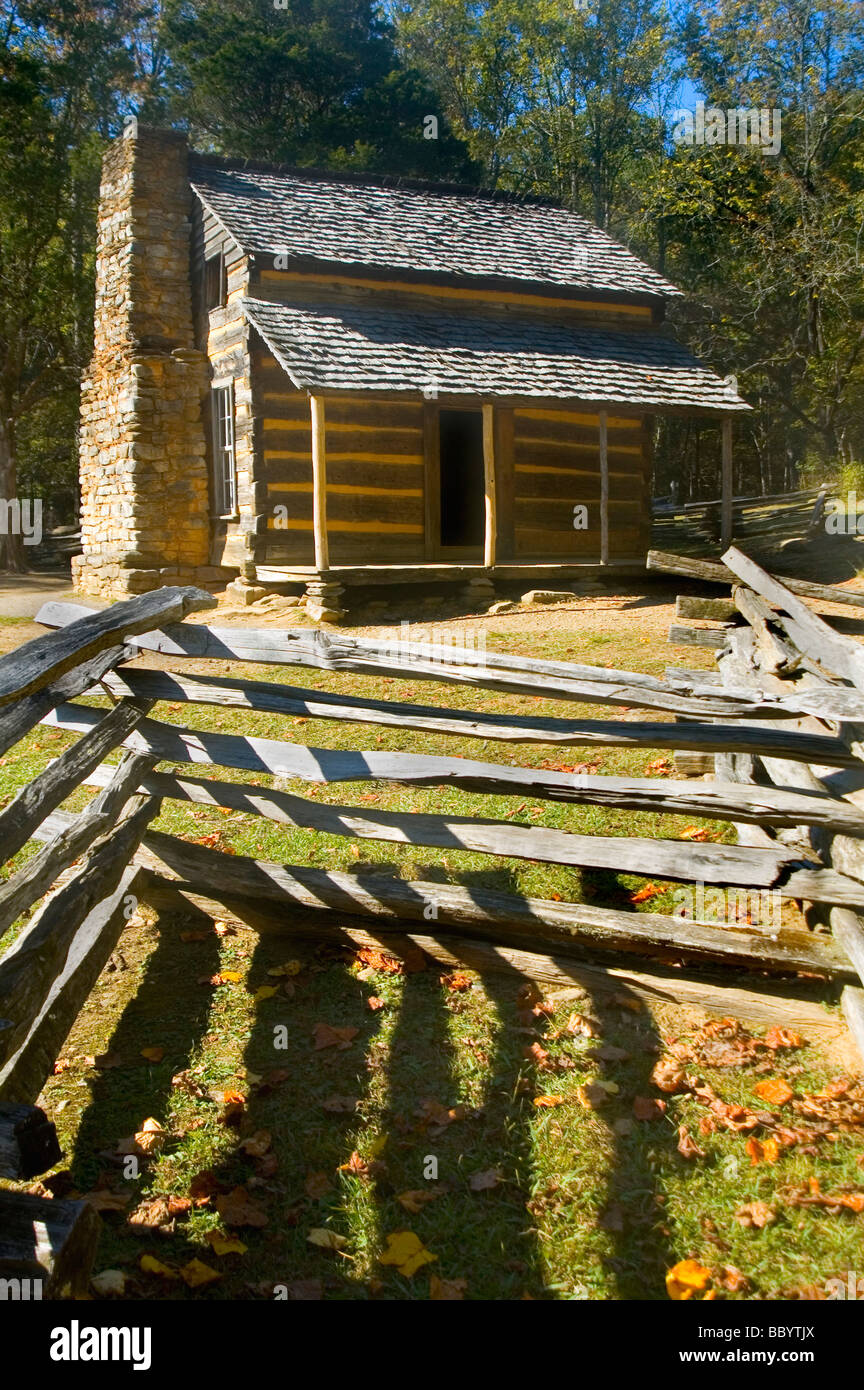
[721, 610]
[505, 481]
[490, 534]
[40, 662]
[266, 755]
[90, 949]
[716, 801]
[852, 1004]
[713, 637]
[19, 718]
[47, 1241]
[432, 481]
[453, 665]
[28, 1142]
[667, 858]
[810, 633]
[34, 959]
[319, 481]
[713, 573]
[604, 488]
[727, 484]
[36, 876]
[488, 913]
[64, 775]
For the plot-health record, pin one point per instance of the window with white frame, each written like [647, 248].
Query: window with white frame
[224, 459]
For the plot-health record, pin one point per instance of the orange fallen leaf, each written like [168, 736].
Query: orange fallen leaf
[649, 891]
[687, 1278]
[775, 1091]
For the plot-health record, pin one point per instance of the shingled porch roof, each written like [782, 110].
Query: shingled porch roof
[324, 348]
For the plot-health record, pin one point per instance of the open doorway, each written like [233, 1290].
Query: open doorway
[463, 511]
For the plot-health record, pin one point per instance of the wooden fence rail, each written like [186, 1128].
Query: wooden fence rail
[779, 718]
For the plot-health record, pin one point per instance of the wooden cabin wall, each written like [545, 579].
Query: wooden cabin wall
[556, 466]
[224, 335]
[375, 475]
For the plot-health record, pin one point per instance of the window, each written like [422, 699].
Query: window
[215, 284]
[224, 465]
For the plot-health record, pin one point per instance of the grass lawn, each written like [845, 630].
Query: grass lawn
[422, 1114]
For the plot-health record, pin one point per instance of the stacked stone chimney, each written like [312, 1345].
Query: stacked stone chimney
[144, 487]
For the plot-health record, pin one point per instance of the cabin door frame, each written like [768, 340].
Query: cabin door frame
[434, 550]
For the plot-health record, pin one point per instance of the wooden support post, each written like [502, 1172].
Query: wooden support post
[727, 485]
[604, 491]
[489, 483]
[319, 483]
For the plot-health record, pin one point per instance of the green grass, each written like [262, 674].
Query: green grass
[587, 1205]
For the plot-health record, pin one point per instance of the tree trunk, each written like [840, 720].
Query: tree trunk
[11, 549]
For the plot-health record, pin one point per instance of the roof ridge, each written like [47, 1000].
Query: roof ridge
[366, 180]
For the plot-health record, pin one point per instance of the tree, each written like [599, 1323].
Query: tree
[311, 83]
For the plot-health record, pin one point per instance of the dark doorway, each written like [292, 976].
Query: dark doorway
[463, 511]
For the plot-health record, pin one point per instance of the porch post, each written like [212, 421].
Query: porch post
[489, 485]
[319, 483]
[727, 484]
[604, 490]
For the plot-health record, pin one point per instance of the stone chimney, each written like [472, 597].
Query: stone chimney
[144, 486]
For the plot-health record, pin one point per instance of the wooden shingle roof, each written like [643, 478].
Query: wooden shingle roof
[428, 230]
[352, 348]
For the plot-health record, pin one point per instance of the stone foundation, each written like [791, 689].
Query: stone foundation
[143, 467]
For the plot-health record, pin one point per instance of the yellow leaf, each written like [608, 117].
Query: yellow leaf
[196, 1273]
[326, 1240]
[377, 1146]
[290, 968]
[232, 975]
[151, 1266]
[222, 1244]
[686, 1278]
[153, 1054]
[407, 1252]
[266, 991]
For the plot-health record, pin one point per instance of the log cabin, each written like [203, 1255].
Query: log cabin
[305, 378]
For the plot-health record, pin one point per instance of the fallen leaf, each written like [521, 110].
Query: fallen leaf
[374, 1003]
[762, 1150]
[223, 1244]
[483, 1181]
[649, 891]
[340, 1105]
[407, 1252]
[264, 992]
[687, 1278]
[237, 1208]
[756, 1214]
[458, 982]
[648, 1108]
[327, 1036]
[317, 1184]
[149, 1265]
[775, 1091]
[687, 1146]
[326, 1239]
[195, 1274]
[153, 1054]
[257, 1144]
[288, 970]
[416, 1198]
[548, 1102]
[446, 1290]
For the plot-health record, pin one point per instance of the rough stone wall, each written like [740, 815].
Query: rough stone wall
[144, 485]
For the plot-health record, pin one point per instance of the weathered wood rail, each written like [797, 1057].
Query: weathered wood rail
[778, 717]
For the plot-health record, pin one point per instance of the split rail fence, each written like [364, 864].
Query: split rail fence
[779, 718]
